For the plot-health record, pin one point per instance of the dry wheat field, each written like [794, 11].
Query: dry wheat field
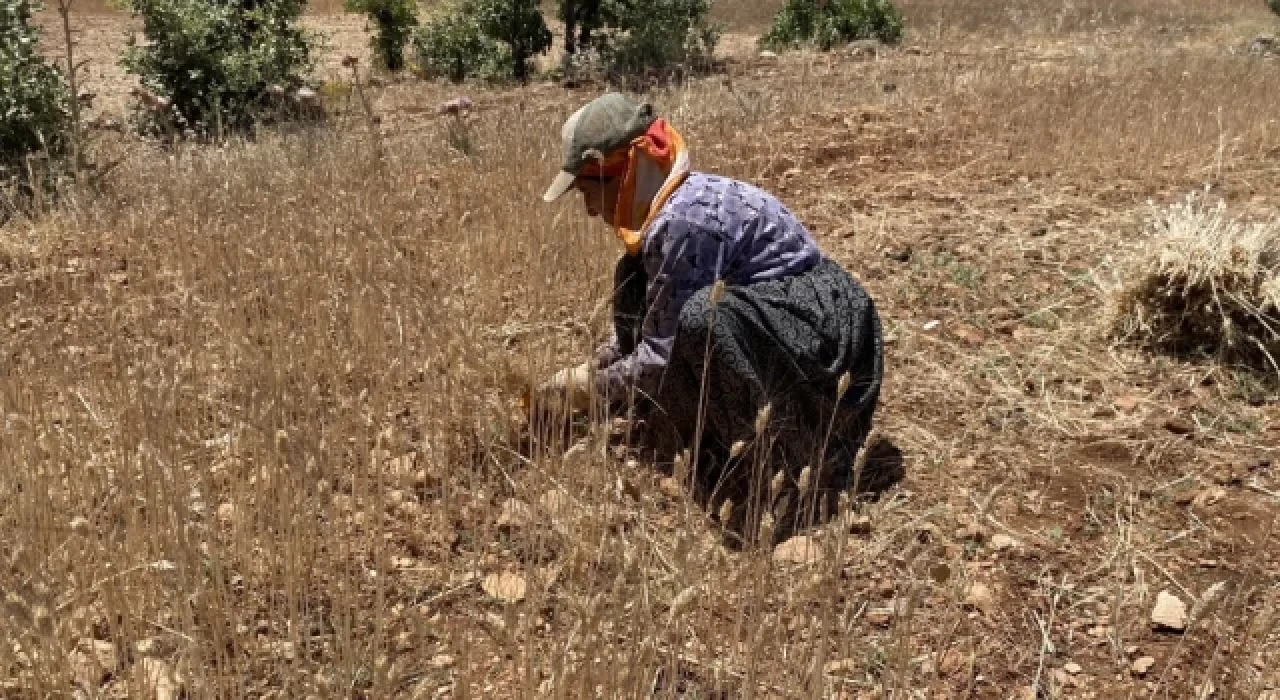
[259, 427]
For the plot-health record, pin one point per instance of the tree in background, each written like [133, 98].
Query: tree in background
[581, 18]
[519, 25]
[646, 38]
[829, 23]
[395, 21]
[494, 40]
[216, 64]
[35, 115]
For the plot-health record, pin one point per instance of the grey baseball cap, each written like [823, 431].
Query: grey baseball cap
[602, 125]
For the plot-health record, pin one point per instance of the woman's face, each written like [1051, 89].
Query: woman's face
[599, 195]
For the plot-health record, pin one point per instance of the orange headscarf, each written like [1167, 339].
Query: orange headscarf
[652, 166]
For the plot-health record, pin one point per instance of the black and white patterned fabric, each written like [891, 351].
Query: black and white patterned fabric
[783, 342]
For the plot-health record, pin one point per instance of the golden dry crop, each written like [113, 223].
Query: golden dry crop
[259, 403]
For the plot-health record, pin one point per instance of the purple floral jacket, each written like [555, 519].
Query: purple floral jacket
[710, 228]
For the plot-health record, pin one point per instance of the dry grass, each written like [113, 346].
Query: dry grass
[1204, 282]
[257, 401]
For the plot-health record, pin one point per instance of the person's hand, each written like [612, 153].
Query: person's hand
[570, 387]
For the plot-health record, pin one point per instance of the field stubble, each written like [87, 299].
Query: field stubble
[257, 400]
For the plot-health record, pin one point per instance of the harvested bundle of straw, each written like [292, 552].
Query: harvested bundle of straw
[1203, 282]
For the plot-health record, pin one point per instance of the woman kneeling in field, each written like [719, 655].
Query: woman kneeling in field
[723, 305]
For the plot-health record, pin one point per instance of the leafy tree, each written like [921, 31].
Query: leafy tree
[494, 40]
[581, 18]
[217, 61]
[641, 38]
[34, 101]
[519, 25]
[395, 21]
[828, 23]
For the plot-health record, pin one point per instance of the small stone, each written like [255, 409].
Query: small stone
[227, 513]
[979, 597]
[1001, 542]
[930, 325]
[840, 667]
[798, 550]
[768, 54]
[971, 533]
[955, 661]
[1179, 426]
[880, 617]
[441, 661]
[1072, 667]
[968, 335]
[1170, 613]
[80, 525]
[1142, 665]
[507, 587]
[1127, 403]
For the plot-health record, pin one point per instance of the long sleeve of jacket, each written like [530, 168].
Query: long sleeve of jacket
[711, 229]
[680, 260]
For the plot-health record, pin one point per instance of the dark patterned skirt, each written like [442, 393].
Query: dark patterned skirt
[785, 344]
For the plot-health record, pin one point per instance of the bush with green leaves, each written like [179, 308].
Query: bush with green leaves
[829, 23]
[494, 40]
[451, 45]
[646, 38]
[519, 25]
[34, 101]
[394, 22]
[1274, 5]
[217, 61]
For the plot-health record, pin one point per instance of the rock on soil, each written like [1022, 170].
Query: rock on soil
[1142, 665]
[980, 598]
[798, 550]
[508, 587]
[1170, 613]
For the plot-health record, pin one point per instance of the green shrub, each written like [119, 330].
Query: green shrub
[218, 60]
[644, 38]
[34, 100]
[494, 40]
[394, 21]
[451, 45]
[829, 23]
[1274, 5]
[516, 23]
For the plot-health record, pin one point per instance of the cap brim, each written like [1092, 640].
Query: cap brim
[559, 186]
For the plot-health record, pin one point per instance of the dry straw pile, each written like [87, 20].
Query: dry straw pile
[1203, 281]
